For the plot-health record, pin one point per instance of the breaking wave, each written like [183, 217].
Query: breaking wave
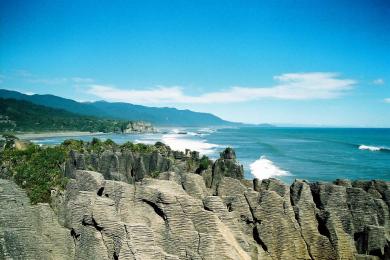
[373, 148]
[179, 142]
[264, 168]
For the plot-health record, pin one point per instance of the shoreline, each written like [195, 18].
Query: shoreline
[29, 136]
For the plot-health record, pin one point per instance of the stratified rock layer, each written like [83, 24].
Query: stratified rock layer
[139, 127]
[226, 166]
[175, 216]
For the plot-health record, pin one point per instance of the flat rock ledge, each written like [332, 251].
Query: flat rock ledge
[175, 216]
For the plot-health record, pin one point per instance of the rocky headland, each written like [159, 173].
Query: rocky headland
[139, 127]
[154, 203]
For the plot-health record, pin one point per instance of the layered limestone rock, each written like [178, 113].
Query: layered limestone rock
[153, 219]
[124, 166]
[175, 216]
[226, 166]
[139, 127]
[30, 232]
[131, 166]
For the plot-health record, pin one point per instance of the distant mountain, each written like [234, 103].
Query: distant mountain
[163, 116]
[21, 115]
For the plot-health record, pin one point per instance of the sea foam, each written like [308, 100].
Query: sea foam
[180, 142]
[264, 168]
[372, 148]
[145, 141]
[207, 130]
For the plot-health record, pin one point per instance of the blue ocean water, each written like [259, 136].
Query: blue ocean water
[314, 154]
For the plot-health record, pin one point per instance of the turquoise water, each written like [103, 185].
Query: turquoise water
[314, 153]
[285, 153]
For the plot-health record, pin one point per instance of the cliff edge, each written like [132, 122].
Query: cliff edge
[179, 214]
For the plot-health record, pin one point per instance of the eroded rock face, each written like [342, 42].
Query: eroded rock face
[226, 166]
[30, 232]
[177, 217]
[139, 127]
[131, 166]
[153, 219]
[124, 166]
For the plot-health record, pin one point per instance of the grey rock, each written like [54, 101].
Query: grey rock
[124, 166]
[139, 127]
[226, 166]
[176, 216]
[228, 154]
[30, 232]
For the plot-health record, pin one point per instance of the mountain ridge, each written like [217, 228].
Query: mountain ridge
[24, 116]
[160, 116]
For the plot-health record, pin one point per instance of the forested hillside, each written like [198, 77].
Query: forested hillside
[19, 115]
[162, 116]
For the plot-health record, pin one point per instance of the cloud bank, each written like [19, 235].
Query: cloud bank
[379, 81]
[289, 86]
[31, 78]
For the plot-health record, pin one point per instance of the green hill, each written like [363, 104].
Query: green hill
[19, 115]
[162, 116]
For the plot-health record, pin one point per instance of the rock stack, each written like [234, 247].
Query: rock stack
[177, 216]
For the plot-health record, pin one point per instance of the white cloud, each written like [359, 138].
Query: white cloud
[159, 94]
[378, 81]
[387, 100]
[31, 78]
[82, 80]
[23, 73]
[48, 81]
[290, 86]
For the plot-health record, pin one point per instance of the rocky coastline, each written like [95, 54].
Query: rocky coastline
[164, 204]
[133, 127]
[139, 127]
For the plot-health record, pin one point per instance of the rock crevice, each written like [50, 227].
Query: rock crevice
[177, 216]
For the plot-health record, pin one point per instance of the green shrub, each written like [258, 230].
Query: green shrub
[155, 174]
[37, 170]
[96, 142]
[72, 144]
[204, 164]
[138, 147]
[9, 140]
[109, 142]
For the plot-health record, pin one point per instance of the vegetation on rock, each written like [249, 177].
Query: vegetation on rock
[36, 169]
[40, 169]
[204, 164]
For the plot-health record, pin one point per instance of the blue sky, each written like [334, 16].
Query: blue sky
[283, 62]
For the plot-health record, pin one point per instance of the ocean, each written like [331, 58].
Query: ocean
[314, 154]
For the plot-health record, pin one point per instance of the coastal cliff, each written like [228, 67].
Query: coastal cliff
[139, 127]
[163, 204]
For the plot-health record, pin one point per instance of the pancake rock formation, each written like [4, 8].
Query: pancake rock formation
[181, 214]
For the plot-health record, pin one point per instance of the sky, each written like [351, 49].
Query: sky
[320, 63]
